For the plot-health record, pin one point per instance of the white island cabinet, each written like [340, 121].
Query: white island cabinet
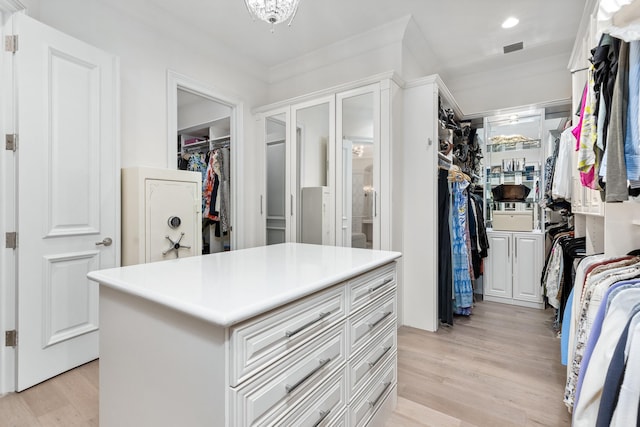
[289, 334]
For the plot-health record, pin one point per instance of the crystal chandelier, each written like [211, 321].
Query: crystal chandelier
[272, 11]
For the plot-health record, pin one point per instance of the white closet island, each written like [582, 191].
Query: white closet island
[289, 334]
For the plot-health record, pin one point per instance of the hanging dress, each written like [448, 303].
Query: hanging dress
[462, 287]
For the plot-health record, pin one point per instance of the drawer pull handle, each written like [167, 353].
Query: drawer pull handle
[384, 390]
[377, 322]
[321, 316]
[322, 364]
[386, 282]
[323, 415]
[375, 362]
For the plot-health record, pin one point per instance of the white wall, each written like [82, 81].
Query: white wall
[198, 113]
[147, 47]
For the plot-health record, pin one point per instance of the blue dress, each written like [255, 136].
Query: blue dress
[462, 287]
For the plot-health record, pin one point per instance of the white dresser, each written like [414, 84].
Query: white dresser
[289, 334]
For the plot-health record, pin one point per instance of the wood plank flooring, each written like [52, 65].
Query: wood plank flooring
[500, 367]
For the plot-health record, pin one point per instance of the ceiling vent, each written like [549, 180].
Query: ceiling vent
[513, 47]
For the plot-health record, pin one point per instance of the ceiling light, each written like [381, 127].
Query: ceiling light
[272, 11]
[510, 22]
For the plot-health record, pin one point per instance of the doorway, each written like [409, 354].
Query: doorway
[204, 136]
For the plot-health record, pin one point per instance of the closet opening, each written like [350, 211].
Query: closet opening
[203, 138]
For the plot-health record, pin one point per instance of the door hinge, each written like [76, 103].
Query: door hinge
[11, 43]
[11, 142]
[11, 240]
[10, 338]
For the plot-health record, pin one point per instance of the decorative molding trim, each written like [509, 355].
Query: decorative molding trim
[442, 90]
[376, 38]
[390, 75]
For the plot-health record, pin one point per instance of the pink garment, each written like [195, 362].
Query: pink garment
[578, 129]
[588, 179]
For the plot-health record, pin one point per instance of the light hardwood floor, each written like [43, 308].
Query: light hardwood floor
[500, 367]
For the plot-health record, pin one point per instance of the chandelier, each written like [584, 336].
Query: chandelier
[272, 11]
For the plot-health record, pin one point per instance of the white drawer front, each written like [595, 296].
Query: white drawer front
[261, 341]
[364, 289]
[265, 398]
[373, 397]
[366, 325]
[324, 407]
[372, 359]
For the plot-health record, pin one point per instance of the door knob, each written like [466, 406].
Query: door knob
[106, 242]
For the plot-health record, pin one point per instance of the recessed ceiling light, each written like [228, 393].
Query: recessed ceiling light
[510, 22]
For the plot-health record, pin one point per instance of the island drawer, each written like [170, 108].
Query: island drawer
[268, 396]
[324, 407]
[261, 341]
[369, 362]
[370, 286]
[365, 405]
[368, 324]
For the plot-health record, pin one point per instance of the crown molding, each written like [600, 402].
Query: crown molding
[11, 6]
[389, 75]
[384, 35]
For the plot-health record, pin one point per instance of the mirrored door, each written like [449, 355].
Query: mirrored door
[275, 206]
[313, 185]
[358, 160]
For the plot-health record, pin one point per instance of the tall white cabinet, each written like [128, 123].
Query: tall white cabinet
[344, 140]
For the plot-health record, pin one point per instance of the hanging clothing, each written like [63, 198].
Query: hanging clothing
[463, 289]
[561, 187]
[445, 285]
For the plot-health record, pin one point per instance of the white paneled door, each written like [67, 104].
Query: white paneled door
[68, 196]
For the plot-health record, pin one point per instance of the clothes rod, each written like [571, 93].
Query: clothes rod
[577, 70]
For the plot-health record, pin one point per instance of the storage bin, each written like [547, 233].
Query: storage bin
[513, 221]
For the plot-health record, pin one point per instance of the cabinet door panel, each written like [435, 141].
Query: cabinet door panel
[498, 266]
[527, 266]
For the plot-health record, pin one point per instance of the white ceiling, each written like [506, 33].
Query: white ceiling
[464, 35]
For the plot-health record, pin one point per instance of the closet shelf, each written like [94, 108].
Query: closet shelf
[512, 146]
[528, 175]
[209, 143]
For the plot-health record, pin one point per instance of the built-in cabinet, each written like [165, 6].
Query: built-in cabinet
[339, 140]
[513, 268]
[513, 186]
[513, 159]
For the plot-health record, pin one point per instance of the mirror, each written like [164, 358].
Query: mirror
[313, 190]
[358, 186]
[276, 131]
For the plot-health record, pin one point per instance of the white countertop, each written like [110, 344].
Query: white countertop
[229, 287]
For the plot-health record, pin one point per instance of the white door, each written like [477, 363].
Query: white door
[527, 267]
[273, 202]
[498, 266]
[358, 183]
[312, 148]
[68, 196]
